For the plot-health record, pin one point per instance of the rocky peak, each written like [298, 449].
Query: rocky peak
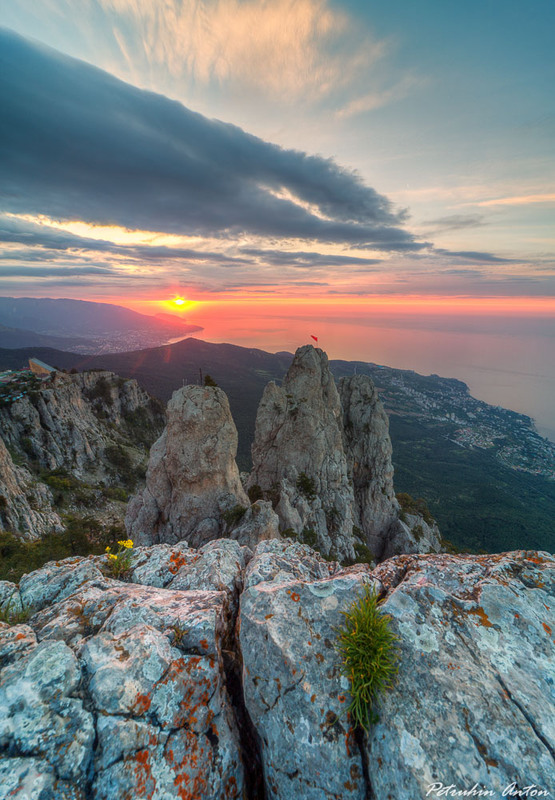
[368, 449]
[192, 478]
[298, 455]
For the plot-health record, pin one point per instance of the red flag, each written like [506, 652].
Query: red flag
[314, 337]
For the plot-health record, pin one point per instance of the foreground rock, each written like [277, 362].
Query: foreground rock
[119, 690]
[476, 691]
[294, 690]
[215, 675]
[192, 478]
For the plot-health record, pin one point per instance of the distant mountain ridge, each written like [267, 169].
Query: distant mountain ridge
[478, 499]
[88, 327]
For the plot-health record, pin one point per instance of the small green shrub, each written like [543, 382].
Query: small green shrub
[233, 516]
[367, 648]
[411, 506]
[115, 493]
[255, 493]
[308, 536]
[363, 554]
[102, 390]
[179, 634]
[306, 486]
[209, 381]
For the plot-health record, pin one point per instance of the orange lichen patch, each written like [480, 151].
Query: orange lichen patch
[204, 644]
[536, 559]
[517, 616]
[295, 597]
[313, 698]
[482, 616]
[142, 703]
[319, 658]
[144, 780]
[19, 636]
[269, 616]
[177, 560]
[450, 665]
[341, 698]
[546, 628]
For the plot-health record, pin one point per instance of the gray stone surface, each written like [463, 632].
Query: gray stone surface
[368, 448]
[192, 477]
[294, 691]
[298, 443]
[475, 697]
[127, 690]
[25, 505]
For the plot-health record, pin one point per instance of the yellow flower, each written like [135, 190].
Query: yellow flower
[127, 543]
[107, 549]
[112, 556]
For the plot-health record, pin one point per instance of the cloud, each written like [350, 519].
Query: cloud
[381, 97]
[290, 50]
[475, 255]
[454, 222]
[307, 259]
[84, 145]
[522, 200]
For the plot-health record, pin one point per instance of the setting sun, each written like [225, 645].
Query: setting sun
[179, 301]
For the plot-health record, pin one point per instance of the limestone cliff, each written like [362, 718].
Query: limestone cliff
[368, 449]
[213, 673]
[25, 504]
[298, 455]
[324, 457]
[192, 479]
[74, 418]
[76, 435]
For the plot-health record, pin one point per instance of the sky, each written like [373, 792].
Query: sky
[248, 150]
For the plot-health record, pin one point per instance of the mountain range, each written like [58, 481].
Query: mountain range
[82, 326]
[484, 471]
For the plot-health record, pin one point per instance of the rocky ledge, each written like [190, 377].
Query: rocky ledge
[213, 673]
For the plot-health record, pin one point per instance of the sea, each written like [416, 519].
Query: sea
[506, 361]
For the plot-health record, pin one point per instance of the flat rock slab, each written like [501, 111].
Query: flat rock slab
[475, 698]
[294, 691]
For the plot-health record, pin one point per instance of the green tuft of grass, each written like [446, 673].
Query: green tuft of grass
[369, 655]
[233, 516]
[13, 617]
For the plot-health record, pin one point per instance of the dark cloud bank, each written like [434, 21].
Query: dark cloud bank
[79, 144]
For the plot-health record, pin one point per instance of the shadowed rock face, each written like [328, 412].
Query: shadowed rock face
[215, 671]
[298, 453]
[25, 505]
[192, 477]
[368, 449]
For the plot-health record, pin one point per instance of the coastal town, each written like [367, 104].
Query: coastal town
[464, 420]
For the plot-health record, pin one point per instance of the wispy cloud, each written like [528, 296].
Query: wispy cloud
[289, 49]
[522, 200]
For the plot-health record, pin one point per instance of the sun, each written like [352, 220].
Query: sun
[179, 301]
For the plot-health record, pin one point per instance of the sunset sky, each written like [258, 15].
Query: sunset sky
[236, 149]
